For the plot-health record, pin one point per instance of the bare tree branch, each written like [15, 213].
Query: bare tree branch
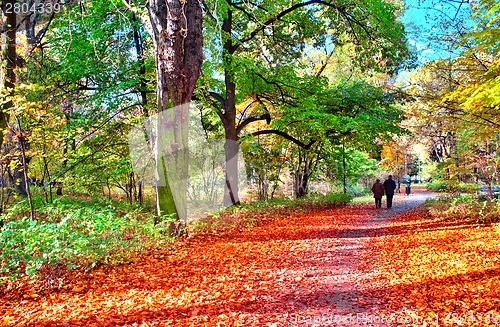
[245, 122]
[286, 136]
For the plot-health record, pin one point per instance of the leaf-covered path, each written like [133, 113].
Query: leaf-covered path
[324, 267]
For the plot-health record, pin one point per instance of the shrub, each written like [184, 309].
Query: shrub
[466, 187]
[75, 233]
[356, 190]
[253, 212]
[465, 207]
[338, 199]
[442, 185]
[437, 185]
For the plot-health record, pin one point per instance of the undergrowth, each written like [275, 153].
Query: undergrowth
[465, 207]
[252, 212]
[73, 233]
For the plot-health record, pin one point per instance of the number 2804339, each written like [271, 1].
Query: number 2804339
[32, 7]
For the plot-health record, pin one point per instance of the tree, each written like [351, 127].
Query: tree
[454, 101]
[254, 50]
[176, 28]
[8, 62]
[476, 97]
[73, 105]
[335, 124]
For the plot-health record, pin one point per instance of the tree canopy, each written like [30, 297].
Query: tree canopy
[311, 82]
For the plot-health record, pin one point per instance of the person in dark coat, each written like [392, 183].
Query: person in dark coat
[389, 187]
[378, 193]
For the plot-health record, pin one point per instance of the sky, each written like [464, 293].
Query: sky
[422, 19]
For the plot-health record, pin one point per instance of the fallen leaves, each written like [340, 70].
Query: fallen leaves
[322, 267]
[257, 276]
[446, 269]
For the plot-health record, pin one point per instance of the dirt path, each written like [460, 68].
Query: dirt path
[299, 269]
[356, 304]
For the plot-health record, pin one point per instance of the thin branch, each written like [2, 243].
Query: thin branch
[144, 19]
[207, 11]
[249, 120]
[286, 136]
[281, 15]
[323, 67]
[217, 102]
[237, 6]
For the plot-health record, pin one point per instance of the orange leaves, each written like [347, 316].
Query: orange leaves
[320, 267]
[257, 276]
[451, 269]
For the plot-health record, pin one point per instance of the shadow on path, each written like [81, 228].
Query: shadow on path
[299, 271]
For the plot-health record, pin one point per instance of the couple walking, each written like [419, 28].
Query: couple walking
[379, 189]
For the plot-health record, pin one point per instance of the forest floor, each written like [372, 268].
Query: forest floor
[350, 266]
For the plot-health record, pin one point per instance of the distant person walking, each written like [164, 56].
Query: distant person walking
[408, 187]
[389, 187]
[378, 193]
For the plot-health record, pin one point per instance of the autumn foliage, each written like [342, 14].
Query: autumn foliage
[321, 266]
[444, 272]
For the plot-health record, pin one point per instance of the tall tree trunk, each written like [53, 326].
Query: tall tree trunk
[231, 147]
[24, 161]
[177, 36]
[299, 186]
[8, 63]
[229, 118]
[139, 49]
[301, 183]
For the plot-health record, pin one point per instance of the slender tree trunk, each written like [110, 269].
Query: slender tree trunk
[139, 48]
[24, 161]
[2, 188]
[8, 63]
[229, 119]
[344, 168]
[139, 192]
[177, 36]
[142, 66]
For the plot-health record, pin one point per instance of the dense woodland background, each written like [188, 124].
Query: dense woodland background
[319, 97]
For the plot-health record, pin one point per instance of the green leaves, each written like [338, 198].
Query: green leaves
[76, 233]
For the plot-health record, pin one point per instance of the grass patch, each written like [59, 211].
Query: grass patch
[252, 212]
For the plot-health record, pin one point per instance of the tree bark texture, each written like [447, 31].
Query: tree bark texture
[8, 63]
[177, 35]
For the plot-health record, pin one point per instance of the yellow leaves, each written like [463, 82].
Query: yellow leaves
[479, 96]
[31, 296]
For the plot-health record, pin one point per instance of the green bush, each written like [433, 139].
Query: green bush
[253, 212]
[356, 190]
[75, 233]
[465, 207]
[437, 185]
[338, 199]
[467, 187]
[442, 185]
